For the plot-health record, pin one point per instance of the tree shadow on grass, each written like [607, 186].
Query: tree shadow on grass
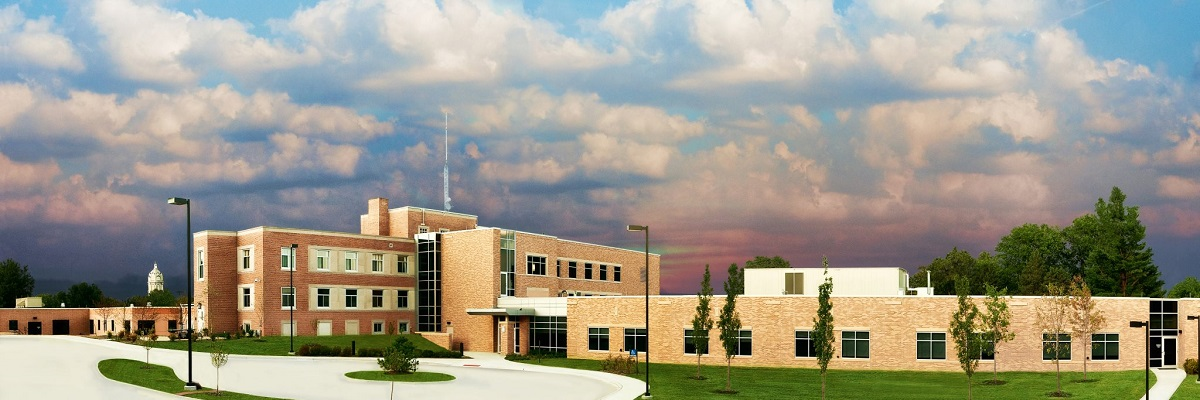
[1059, 394]
[994, 382]
[723, 391]
[1084, 380]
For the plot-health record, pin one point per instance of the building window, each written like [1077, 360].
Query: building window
[587, 271]
[351, 261]
[287, 297]
[745, 343]
[323, 260]
[402, 327]
[571, 267]
[1056, 349]
[351, 298]
[1106, 346]
[200, 263]
[377, 327]
[508, 268]
[377, 298]
[401, 299]
[535, 265]
[603, 272]
[987, 348]
[247, 297]
[689, 342]
[598, 339]
[793, 283]
[422, 229]
[285, 258]
[856, 344]
[322, 297]
[558, 268]
[402, 264]
[805, 347]
[377, 263]
[548, 334]
[246, 261]
[616, 273]
[931, 345]
[635, 338]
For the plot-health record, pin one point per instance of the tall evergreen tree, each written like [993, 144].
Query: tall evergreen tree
[822, 333]
[730, 323]
[1110, 248]
[702, 322]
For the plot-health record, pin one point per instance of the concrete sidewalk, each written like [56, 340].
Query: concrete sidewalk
[1168, 381]
[65, 367]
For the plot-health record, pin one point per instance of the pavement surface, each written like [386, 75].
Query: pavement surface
[60, 367]
[1167, 381]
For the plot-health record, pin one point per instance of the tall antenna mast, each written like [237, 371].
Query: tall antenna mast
[446, 167]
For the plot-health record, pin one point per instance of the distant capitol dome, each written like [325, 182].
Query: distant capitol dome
[155, 280]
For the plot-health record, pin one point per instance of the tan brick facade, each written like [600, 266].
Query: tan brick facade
[893, 323]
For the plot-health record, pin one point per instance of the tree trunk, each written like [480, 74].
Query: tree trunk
[697, 364]
[728, 383]
[995, 371]
[822, 385]
[1058, 372]
[969, 387]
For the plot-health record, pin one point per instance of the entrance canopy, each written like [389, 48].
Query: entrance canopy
[510, 312]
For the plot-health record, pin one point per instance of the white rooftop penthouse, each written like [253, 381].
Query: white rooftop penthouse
[885, 281]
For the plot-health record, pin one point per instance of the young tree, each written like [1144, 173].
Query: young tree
[219, 357]
[822, 333]
[147, 342]
[15, 283]
[967, 343]
[995, 323]
[702, 322]
[1085, 318]
[1053, 315]
[730, 323]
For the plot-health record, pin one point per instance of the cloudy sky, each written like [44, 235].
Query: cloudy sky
[879, 133]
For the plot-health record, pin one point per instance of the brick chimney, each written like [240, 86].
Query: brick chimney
[377, 221]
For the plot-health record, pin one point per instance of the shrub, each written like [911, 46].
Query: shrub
[1191, 366]
[370, 352]
[346, 352]
[317, 350]
[400, 358]
[619, 363]
[427, 353]
[516, 357]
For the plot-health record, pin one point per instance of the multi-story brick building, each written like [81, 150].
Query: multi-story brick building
[409, 269]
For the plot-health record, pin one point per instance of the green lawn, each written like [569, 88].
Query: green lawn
[1188, 390]
[673, 381]
[278, 345]
[418, 376]
[160, 378]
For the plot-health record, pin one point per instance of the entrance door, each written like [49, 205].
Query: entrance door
[60, 327]
[34, 328]
[1168, 348]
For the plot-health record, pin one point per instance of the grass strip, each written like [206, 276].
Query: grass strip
[160, 378]
[418, 376]
[675, 381]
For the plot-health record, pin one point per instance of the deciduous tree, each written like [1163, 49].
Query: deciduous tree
[967, 343]
[1032, 255]
[1053, 318]
[996, 322]
[1085, 318]
[702, 322]
[822, 333]
[219, 358]
[1187, 288]
[730, 323]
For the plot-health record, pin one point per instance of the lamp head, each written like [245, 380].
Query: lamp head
[179, 201]
[1193, 317]
[636, 228]
[294, 246]
[1137, 324]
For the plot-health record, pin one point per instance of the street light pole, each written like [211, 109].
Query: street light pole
[191, 384]
[646, 230]
[292, 309]
[1197, 319]
[1146, 326]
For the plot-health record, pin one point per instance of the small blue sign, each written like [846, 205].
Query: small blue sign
[633, 352]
